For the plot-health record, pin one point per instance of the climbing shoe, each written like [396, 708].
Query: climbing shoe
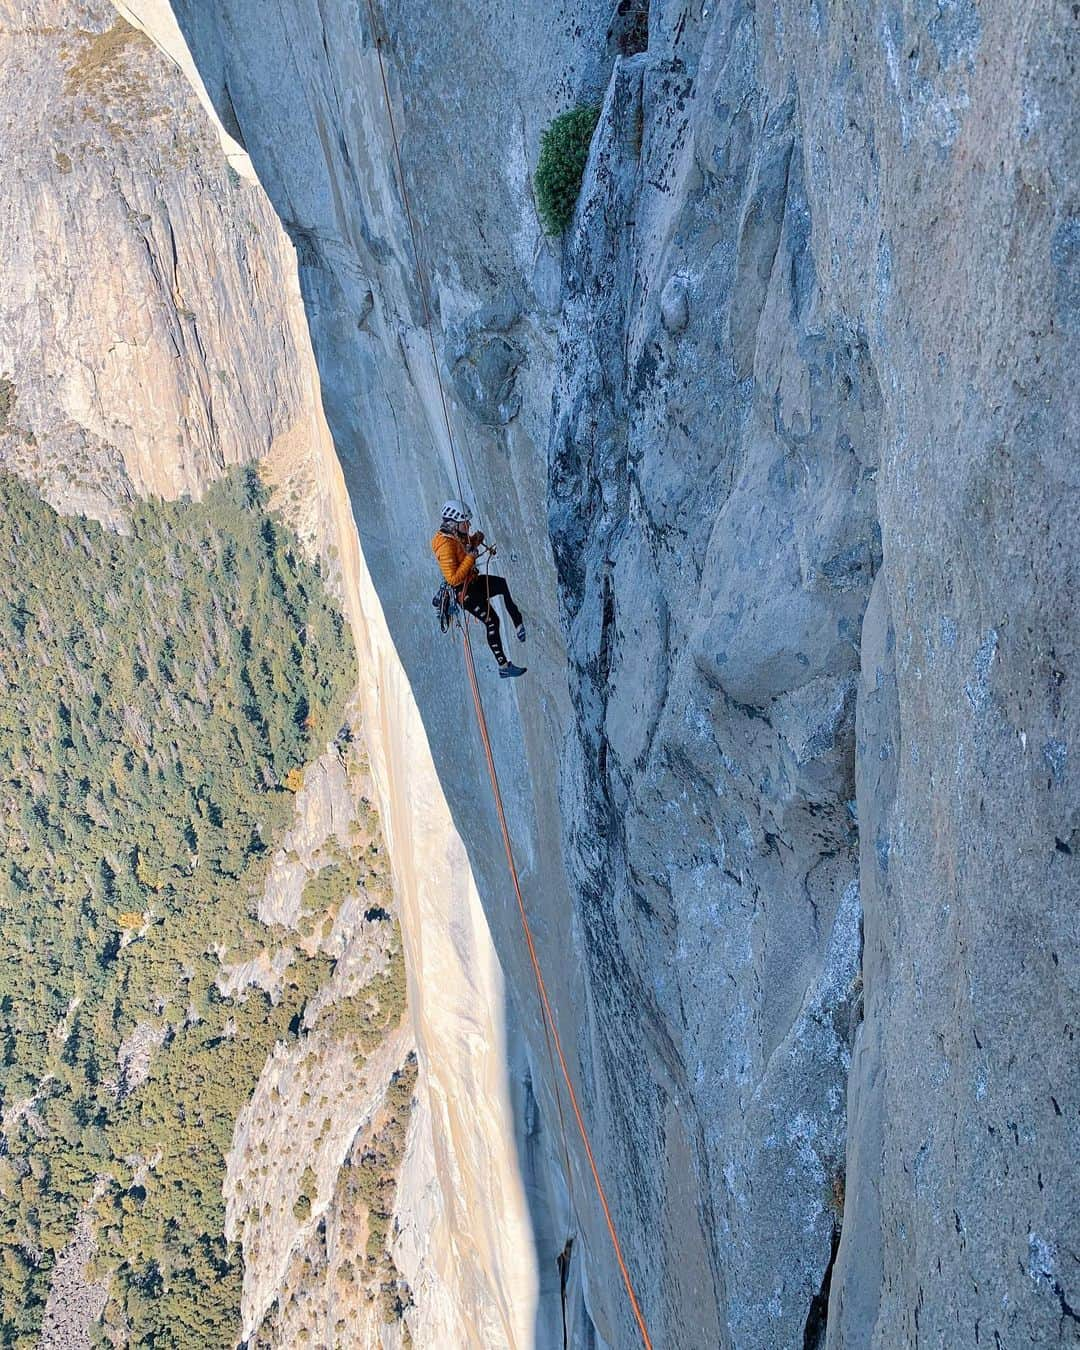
[505, 672]
[519, 632]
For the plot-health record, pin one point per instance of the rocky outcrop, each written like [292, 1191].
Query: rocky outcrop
[342, 1287]
[777, 449]
[316, 1094]
[324, 818]
[75, 1303]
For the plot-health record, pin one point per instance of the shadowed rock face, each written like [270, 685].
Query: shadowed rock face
[778, 447]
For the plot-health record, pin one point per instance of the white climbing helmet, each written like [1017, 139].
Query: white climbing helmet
[457, 512]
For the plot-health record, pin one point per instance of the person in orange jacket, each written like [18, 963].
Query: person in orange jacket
[457, 550]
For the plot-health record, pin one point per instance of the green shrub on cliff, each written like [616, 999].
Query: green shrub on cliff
[564, 150]
[308, 1189]
[7, 400]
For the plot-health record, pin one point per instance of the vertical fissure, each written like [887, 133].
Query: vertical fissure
[564, 1276]
[817, 1318]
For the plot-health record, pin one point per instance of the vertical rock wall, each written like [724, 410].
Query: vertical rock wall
[133, 264]
[151, 335]
[777, 445]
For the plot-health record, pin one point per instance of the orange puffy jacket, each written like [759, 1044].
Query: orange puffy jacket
[454, 559]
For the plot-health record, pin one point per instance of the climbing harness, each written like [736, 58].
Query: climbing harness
[551, 1031]
[447, 600]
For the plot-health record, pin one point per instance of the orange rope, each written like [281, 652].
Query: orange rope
[542, 989]
[536, 971]
[551, 1031]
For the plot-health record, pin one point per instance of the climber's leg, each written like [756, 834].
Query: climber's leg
[476, 603]
[496, 586]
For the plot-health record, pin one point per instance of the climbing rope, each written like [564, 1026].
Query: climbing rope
[551, 1031]
[549, 1016]
[489, 553]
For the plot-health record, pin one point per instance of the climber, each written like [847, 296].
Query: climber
[457, 551]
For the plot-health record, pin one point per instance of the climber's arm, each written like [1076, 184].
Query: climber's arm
[461, 573]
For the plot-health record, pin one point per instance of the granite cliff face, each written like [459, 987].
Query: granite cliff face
[133, 262]
[778, 446]
[152, 336]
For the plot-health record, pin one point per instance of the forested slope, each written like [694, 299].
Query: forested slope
[161, 692]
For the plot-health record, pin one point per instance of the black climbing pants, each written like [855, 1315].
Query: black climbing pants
[475, 601]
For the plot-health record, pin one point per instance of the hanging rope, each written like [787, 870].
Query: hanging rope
[551, 1031]
[463, 622]
[548, 1015]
